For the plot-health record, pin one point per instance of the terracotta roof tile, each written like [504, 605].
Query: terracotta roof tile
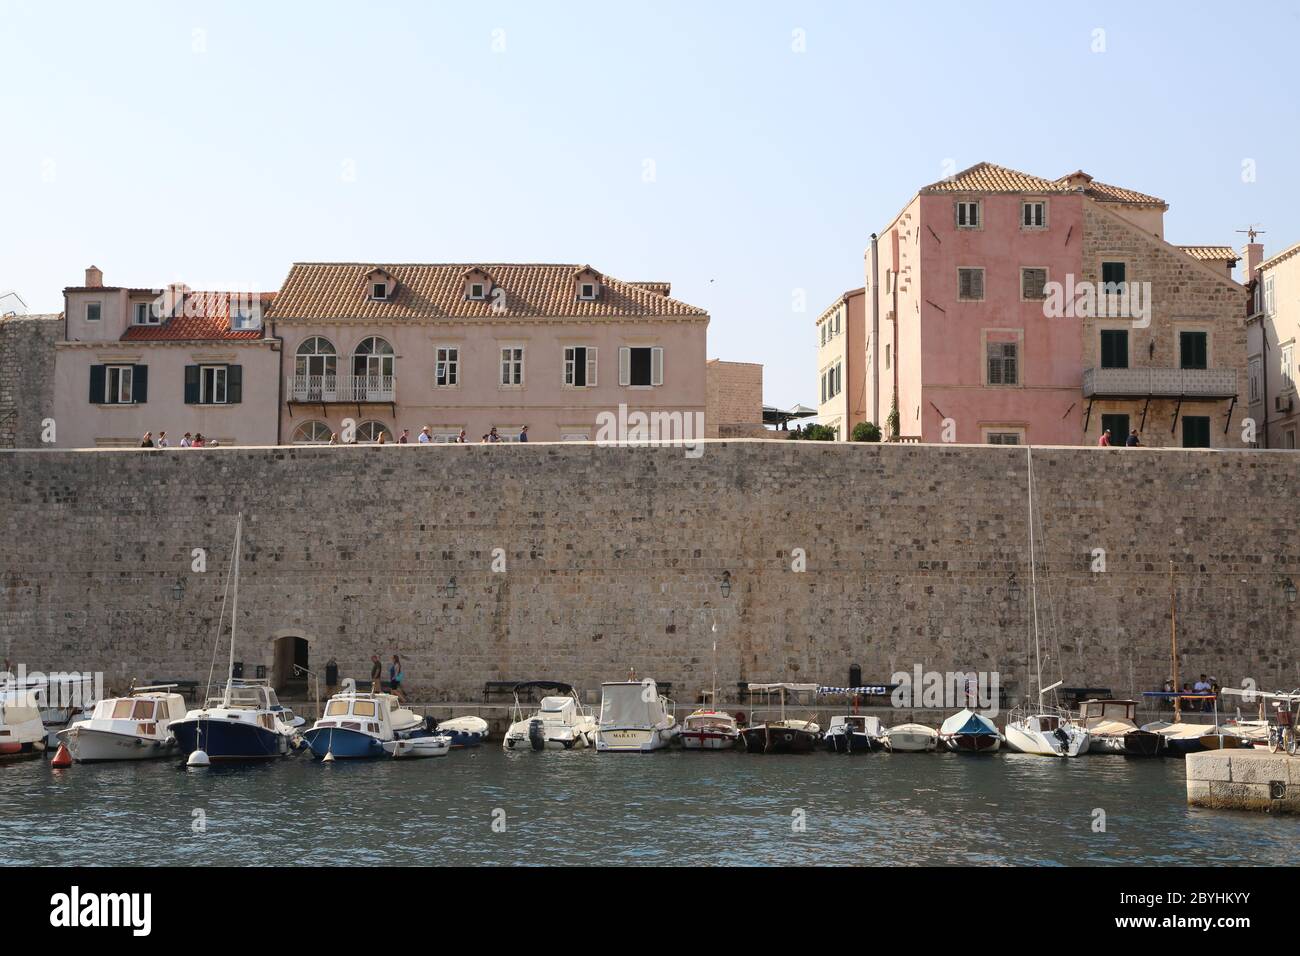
[205, 316]
[336, 290]
[1104, 192]
[990, 178]
[1212, 253]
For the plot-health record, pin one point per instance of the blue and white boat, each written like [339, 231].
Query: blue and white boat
[356, 726]
[245, 722]
[464, 731]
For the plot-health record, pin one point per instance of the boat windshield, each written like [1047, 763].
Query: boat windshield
[556, 705]
[121, 708]
[142, 710]
[336, 708]
[245, 697]
[363, 708]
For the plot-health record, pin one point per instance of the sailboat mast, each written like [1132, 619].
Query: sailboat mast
[1033, 576]
[1173, 644]
[234, 606]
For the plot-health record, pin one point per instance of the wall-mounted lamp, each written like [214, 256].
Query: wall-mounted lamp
[451, 587]
[1289, 590]
[178, 590]
[726, 584]
[1013, 590]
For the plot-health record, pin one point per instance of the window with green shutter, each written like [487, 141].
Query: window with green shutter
[1114, 348]
[1193, 349]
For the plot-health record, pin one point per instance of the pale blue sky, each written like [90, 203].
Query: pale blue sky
[220, 156]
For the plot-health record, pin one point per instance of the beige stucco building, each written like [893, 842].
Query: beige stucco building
[384, 348]
[137, 360]
[841, 382]
[1272, 323]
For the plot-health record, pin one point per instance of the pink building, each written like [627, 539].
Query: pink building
[136, 360]
[476, 347]
[1006, 308]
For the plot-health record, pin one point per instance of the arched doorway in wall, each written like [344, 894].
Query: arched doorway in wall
[290, 664]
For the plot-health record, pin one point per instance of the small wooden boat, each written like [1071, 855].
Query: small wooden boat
[781, 736]
[1112, 729]
[416, 747]
[969, 732]
[707, 729]
[854, 734]
[911, 738]
[135, 727]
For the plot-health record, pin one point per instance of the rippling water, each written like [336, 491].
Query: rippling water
[668, 807]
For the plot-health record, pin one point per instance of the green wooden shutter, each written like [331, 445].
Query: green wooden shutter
[191, 385]
[234, 384]
[96, 384]
[139, 384]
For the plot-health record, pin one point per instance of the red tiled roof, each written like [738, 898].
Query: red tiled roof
[204, 316]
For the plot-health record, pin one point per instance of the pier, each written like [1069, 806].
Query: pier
[1244, 780]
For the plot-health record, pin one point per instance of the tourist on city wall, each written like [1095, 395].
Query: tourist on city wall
[383, 438]
[460, 439]
[187, 440]
[199, 440]
[334, 438]
[424, 437]
[1104, 440]
[147, 440]
[162, 440]
[1132, 441]
[405, 437]
[376, 674]
[492, 435]
[523, 433]
[395, 677]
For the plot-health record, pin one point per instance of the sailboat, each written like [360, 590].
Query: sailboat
[245, 722]
[708, 728]
[1041, 729]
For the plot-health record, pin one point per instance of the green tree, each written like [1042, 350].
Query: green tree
[815, 433]
[865, 431]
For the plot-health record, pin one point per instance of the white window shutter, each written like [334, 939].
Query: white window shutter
[591, 366]
[656, 366]
[624, 365]
[567, 364]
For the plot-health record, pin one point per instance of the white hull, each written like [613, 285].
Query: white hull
[905, 739]
[415, 747]
[1028, 740]
[634, 739]
[517, 738]
[88, 745]
[694, 740]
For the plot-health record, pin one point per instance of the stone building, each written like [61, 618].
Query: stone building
[27, 376]
[1006, 308]
[734, 403]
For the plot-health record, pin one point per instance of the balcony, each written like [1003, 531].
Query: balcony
[342, 388]
[1159, 383]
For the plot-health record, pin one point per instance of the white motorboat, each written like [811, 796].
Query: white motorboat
[436, 745]
[854, 733]
[911, 738]
[707, 729]
[560, 722]
[1112, 730]
[464, 732]
[969, 732]
[634, 718]
[357, 725]
[22, 733]
[136, 727]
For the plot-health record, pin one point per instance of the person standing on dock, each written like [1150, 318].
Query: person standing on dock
[376, 674]
[395, 676]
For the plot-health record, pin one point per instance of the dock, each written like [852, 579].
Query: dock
[1244, 780]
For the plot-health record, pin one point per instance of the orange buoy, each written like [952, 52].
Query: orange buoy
[61, 757]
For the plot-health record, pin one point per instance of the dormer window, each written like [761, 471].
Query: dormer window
[478, 285]
[476, 290]
[380, 285]
[378, 291]
[586, 283]
[587, 291]
[146, 314]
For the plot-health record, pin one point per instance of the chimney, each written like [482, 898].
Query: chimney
[94, 278]
[1252, 254]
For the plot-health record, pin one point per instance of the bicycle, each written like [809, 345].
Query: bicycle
[1282, 735]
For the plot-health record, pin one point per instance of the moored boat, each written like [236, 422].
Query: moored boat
[464, 732]
[135, 727]
[969, 732]
[706, 729]
[560, 722]
[1045, 734]
[434, 745]
[357, 726]
[1112, 729]
[782, 736]
[854, 734]
[22, 734]
[911, 738]
[242, 724]
[634, 718]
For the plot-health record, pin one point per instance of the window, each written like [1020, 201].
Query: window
[476, 290]
[968, 215]
[312, 433]
[1288, 359]
[641, 367]
[512, 366]
[1119, 427]
[242, 318]
[446, 372]
[1114, 348]
[1033, 284]
[1268, 295]
[1254, 380]
[832, 381]
[369, 432]
[316, 357]
[580, 366]
[118, 384]
[587, 290]
[970, 284]
[1196, 431]
[373, 360]
[1002, 364]
[1113, 277]
[1033, 215]
[378, 291]
[214, 384]
[93, 311]
[1192, 349]
[145, 314]
[1288, 439]
[1002, 438]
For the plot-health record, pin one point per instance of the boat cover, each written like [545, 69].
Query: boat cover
[967, 722]
[624, 705]
[797, 688]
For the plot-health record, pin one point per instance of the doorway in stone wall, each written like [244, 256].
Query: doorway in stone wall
[289, 668]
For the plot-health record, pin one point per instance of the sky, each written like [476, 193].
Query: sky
[743, 151]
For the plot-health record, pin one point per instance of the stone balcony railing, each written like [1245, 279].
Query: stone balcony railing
[342, 388]
[1155, 382]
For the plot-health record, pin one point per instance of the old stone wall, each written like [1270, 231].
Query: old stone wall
[733, 399]
[616, 558]
[26, 377]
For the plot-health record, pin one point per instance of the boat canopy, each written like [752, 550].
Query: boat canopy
[556, 685]
[557, 705]
[1109, 709]
[796, 688]
[624, 705]
[967, 722]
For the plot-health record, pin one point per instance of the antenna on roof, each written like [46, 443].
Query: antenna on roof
[1253, 230]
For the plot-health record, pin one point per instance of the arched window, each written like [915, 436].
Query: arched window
[312, 433]
[373, 359]
[316, 356]
[369, 432]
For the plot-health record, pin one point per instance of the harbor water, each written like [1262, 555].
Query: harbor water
[485, 806]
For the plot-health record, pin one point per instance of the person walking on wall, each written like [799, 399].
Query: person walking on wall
[405, 437]
[376, 674]
[1104, 440]
[1132, 441]
[147, 440]
[523, 433]
[162, 440]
